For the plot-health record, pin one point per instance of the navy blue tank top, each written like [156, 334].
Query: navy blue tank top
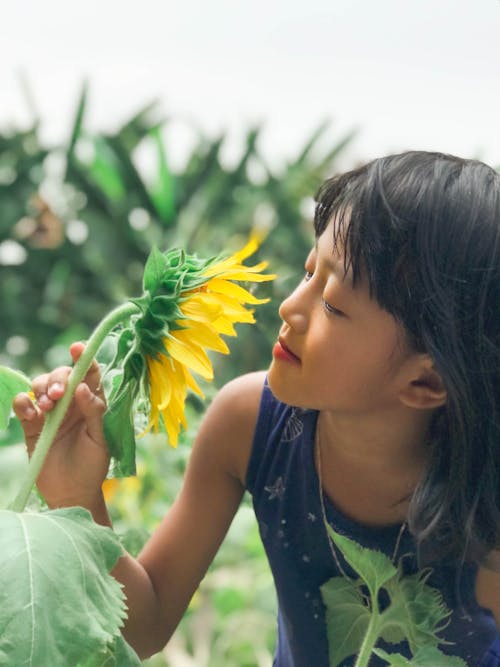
[284, 485]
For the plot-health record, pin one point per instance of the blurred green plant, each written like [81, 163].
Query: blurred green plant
[78, 220]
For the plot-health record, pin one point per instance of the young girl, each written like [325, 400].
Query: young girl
[380, 413]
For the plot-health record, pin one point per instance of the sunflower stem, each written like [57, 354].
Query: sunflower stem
[54, 419]
[370, 640]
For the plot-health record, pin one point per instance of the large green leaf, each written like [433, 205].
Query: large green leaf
[58, 603]
[119, 654]
[11, 383]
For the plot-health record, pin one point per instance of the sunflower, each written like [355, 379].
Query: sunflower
[208, 305]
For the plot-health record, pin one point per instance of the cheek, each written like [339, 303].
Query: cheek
[353, 358]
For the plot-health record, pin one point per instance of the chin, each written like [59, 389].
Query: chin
[284, 390]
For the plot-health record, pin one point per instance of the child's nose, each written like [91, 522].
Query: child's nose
[293, 312]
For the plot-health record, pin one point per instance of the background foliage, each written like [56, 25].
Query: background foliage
[77, 222]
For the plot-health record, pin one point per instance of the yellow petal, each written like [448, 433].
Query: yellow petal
[201, 334]
[240, 272]
[231, 308]
[249, 249]
[223, 286]
[233, 265]
[192, 384]
[160, 382]
[201, 307]
[224, 326]
[192, 355]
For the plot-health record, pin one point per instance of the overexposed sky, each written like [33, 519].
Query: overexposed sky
[419, 74]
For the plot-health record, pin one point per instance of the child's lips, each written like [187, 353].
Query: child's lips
[283, 353]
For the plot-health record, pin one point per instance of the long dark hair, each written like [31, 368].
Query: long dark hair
[425, 229]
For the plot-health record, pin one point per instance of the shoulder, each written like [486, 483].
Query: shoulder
[488, 585]
[243, 394]
[229, 425]
[237, 403]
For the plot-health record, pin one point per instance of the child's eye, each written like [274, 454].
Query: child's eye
[331, 309]
[308, 275]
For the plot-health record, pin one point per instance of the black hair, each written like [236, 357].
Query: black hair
[425, 230]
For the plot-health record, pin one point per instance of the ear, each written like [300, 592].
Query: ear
[424, 389]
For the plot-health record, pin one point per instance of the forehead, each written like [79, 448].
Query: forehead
[330, 250]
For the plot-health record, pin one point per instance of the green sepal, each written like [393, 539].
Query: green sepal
[175, 258]
[170, 286]
[118, 425]
[166, 307]
[154, 270]
[11, 383]
[124, 344]
[142, 302]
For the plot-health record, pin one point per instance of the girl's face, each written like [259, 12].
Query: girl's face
[337, 350]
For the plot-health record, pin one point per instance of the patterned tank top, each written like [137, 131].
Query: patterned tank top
[284, 485]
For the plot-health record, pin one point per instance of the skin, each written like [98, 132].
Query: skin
[375, 397]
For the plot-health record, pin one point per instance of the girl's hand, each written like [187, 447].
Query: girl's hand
[78, 460]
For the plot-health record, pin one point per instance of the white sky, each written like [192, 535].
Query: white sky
[408, 73]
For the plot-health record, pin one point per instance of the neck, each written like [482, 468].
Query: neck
[369, 468]
[388, 442]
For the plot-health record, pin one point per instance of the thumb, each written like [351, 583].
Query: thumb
[93, 408]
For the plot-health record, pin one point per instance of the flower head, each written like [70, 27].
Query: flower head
[187, 306]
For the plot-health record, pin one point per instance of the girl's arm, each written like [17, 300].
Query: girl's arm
[161, 582]
[177, 556]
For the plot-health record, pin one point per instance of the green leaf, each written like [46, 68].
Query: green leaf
[416, 609]
[11, 383]
[347, 618]
[58, 603]
[78, 122]
[374, 567]
[163, 191]
[416, 613]
[428, 656]
[394, 659]
[119, 431]
[105, 170]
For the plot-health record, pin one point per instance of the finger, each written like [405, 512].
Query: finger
[29, 415]
[39, 387]
[50, 387]
[76, 350]
[57, 381]
[93, 409]
[93, 376]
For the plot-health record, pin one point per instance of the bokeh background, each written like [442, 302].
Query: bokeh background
[124, 125]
